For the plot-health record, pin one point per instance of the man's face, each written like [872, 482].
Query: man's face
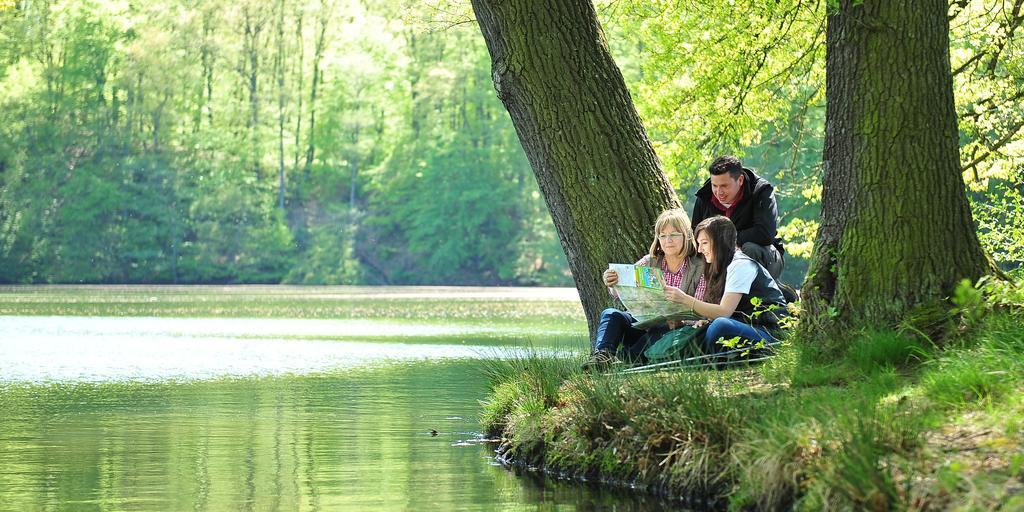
[725, 188]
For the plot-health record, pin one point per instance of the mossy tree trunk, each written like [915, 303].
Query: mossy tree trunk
[896, 229]
[600, 177]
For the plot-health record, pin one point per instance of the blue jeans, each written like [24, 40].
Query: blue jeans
[615, 333]
[728, 328]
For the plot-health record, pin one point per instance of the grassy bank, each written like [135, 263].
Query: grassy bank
[897, 420]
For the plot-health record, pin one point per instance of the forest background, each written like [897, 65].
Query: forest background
[349, 142]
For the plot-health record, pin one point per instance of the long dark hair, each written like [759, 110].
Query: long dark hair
[722, 234]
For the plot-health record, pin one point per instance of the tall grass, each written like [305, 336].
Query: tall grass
[524, 385]
[988, 367]
[802, 431]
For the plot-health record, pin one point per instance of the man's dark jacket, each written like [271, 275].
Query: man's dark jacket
[756, 215]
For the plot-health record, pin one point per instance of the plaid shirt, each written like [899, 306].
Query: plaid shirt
[676, 278]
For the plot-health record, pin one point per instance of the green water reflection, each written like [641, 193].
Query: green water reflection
[354, 440]
[116, 398]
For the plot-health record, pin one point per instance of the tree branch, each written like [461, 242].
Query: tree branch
[992, 149]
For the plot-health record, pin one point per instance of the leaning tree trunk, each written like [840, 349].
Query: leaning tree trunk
[896, 229]
[594, 164]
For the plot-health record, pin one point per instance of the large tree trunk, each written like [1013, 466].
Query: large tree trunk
[896, 230]
[599, 175]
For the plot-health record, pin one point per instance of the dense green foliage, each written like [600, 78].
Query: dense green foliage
[335, 141]
[748, 78]
[312, 142]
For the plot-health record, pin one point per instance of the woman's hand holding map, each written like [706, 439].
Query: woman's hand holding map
[673, 294]
[611, 278]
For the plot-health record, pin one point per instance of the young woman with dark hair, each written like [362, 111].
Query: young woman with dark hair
[734, 281]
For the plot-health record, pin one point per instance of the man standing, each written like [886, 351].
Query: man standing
[749, 201]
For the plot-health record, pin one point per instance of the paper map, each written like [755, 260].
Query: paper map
[640, 290]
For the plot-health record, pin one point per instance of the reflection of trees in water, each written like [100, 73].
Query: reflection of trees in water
[539, 486]
[344, 441]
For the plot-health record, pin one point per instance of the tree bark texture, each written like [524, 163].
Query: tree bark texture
[600, 177]
[896, 229]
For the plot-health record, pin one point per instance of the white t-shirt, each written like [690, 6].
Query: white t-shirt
[740, 275]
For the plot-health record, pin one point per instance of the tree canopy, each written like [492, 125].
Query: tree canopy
[147, 142]
[896, 231]
[312, 142]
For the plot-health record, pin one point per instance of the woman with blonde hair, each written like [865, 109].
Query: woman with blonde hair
[674, 251]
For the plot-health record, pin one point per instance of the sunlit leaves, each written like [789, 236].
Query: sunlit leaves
[1000, 218]
[799, 236]
[747, 78]
[144, 142]
[713, 76]
[988, 65]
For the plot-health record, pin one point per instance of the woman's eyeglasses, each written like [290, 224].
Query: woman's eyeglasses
[670, 236]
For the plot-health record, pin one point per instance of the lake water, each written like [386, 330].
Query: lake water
[211, 412]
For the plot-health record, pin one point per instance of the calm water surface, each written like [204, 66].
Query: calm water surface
[158, 413]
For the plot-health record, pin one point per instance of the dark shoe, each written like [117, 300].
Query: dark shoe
[791, 294]
[600, 361]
